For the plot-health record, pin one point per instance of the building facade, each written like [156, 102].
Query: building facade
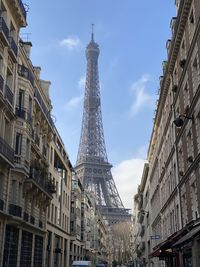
[173, 155]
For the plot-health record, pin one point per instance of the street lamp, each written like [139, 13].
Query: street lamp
[179, 120]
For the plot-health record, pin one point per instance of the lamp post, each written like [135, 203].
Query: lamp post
[179, 120]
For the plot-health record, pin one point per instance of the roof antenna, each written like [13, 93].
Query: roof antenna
[92, 32]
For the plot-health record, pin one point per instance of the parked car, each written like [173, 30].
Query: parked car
[81, 264]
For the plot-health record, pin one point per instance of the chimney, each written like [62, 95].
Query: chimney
[27, 46]
[45, 87]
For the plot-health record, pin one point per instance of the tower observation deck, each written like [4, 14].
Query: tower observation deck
[92, 166]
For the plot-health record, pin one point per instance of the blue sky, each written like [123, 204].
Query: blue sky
[132, 36]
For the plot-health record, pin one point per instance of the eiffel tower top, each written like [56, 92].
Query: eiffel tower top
[92, 46]
[92, 144]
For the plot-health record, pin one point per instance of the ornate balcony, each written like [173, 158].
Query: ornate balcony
[6, 151]
[40, 177]
[8, 95]
[4, 32]
[13, 50]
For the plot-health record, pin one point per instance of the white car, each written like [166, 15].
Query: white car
[81, 264]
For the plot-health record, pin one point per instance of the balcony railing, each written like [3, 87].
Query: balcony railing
[6, 150]
[25, 73]
[1, 83]
[44, 108]
[8, 94]
[41, 178]
[13, 46]
[15, 210]
[4, 28]
[20, 112]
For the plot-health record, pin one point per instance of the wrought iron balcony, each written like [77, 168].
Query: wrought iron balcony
[25, 73]
[40, 177]
[15, 210]
[4, 31]
[13, 49]
[1, 83]
[6, 150]
[9, 94]
[20, 112]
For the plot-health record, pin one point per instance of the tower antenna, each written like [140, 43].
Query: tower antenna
[92, 32]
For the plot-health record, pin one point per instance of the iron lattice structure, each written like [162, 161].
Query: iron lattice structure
[92, 166]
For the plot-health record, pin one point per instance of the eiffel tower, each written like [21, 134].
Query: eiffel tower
[92, 166]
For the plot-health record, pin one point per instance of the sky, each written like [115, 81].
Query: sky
[132, 36]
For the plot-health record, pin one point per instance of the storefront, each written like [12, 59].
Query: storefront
[182, 249]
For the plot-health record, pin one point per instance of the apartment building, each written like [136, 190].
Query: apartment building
[77, 242]
[58, 213]
[173, 155]
[89, 233]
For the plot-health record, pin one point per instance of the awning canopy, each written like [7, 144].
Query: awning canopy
[194, 232]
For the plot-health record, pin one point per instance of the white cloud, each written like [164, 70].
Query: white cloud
[141, 98]
[81, 83]
[74, 102]
[71, 42]
[127, 175]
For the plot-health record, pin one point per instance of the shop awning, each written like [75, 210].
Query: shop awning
[194, 232]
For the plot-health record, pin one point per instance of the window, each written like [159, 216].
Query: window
[18, 144]
[21, 99]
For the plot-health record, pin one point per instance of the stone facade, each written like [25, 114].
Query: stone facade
[173, 155]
